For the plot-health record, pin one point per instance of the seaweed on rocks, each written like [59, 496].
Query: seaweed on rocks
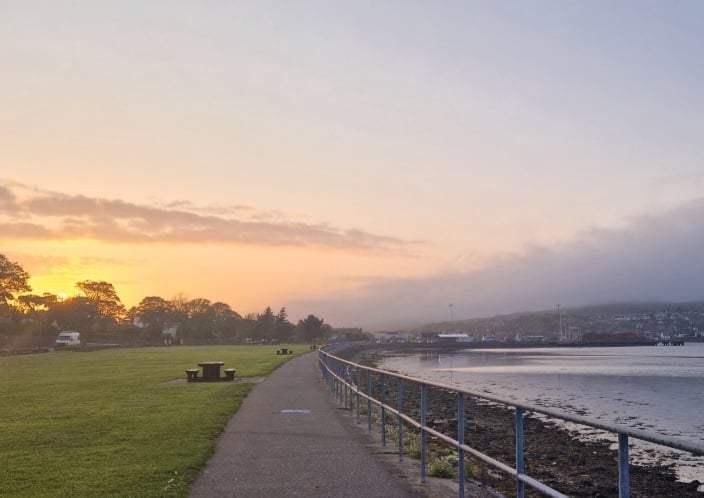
[578, 468]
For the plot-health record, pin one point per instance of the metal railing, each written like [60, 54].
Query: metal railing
[344, 379]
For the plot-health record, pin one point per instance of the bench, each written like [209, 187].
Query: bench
[230, 373]
[192, 374]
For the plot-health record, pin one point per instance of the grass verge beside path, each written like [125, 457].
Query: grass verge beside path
[108, 423]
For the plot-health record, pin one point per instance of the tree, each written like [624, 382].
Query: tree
[282, 317]
[32, 303]
[35, 309]
[153, 313]
[225, 320]
[352, 334]
[103, 295]
[284, 328]
[198, 323]
[266, 324]
[75, 313]
[179, 305]
[13, 279]
[198, 307]
[311, 329]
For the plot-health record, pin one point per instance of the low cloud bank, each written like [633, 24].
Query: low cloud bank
[653, 258]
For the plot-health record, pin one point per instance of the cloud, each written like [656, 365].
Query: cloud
[653, 258]
[39, 263]
[31, 213]
[52, 266]
[215, 209]
[8, 201]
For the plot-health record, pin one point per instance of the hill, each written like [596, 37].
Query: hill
[647, 318]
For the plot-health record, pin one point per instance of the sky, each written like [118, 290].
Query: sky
[371, 162]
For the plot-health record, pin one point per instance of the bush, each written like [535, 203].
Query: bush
[441, 467]
[413, 446]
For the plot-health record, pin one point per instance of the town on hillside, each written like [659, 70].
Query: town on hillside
[630, 323]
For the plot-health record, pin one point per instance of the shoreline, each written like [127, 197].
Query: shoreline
[558, 455]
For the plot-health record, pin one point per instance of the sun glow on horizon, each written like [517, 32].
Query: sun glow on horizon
[246, 277]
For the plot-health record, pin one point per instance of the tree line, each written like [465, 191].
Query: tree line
[32, 320]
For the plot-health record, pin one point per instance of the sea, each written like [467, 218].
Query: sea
[659, 389]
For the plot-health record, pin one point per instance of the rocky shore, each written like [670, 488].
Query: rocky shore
[553, 454]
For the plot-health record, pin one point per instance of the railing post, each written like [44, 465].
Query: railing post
[460, 440]
[382, 397]
[624, 481]
[345, 389]
[342, 385]
[369, 401]
[423, 435]
[520, 457]
[339, 385]
[359, 378]
[400, 420]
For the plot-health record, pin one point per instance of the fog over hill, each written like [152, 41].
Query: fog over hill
[656, 258]
[640, 318]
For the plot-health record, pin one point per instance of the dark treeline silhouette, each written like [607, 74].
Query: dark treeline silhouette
[29, 321]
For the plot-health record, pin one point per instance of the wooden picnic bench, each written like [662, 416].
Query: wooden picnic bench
[192, 374]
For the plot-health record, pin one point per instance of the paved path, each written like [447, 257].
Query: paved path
[266, 453]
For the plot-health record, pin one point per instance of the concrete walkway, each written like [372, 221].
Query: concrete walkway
[267, 453]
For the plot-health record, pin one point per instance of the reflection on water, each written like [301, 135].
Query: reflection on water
[658, 389]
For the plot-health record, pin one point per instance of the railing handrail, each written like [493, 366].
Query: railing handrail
[660, 439]
[336, 371]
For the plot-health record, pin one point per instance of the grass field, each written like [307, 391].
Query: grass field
[108, 423]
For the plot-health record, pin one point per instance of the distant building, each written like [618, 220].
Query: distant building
[453, 338]
[428, 337]
[393, 337]
[534, 339]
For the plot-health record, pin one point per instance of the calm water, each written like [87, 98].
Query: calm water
[658, 389]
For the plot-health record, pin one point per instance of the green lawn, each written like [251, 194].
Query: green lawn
[108, 423]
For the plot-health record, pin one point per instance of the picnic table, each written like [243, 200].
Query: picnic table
[211, 370]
